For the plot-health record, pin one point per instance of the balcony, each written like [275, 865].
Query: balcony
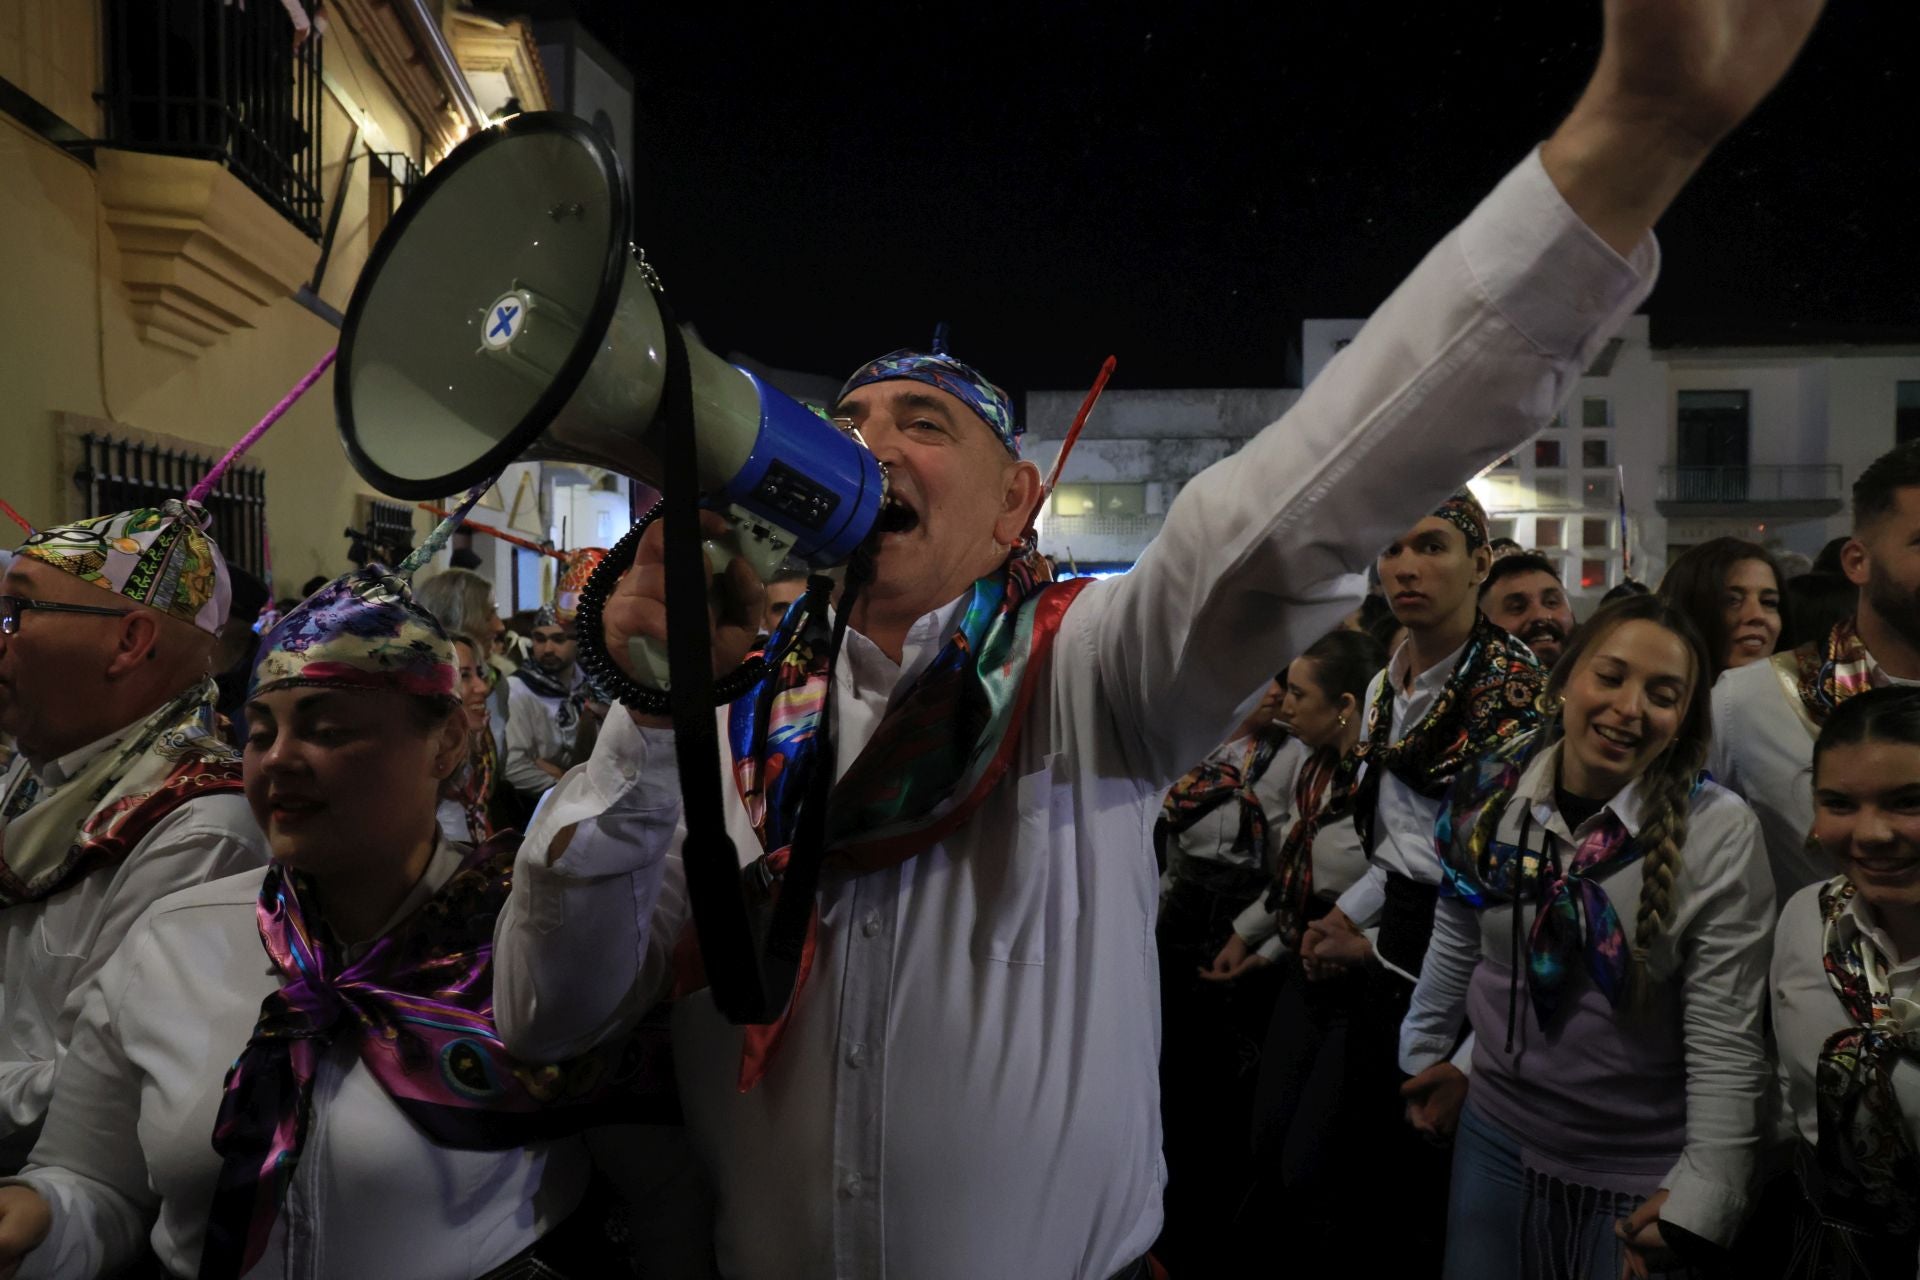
[1802, 491]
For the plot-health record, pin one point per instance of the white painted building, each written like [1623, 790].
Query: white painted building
[1757, 443]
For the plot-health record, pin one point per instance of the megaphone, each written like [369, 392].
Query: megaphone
[504, 316]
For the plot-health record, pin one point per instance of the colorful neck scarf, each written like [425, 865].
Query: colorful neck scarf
[1833, 670]
[1489, 699]
[1575, 914]
[571, 700]
[1315, 801]
[49, 839]
[418, 1007]
[1223, 777]
[933, 758]
[1865, 1150]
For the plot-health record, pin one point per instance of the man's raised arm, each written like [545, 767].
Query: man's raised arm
[1470, 356]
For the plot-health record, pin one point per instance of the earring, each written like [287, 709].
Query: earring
[1343, 720]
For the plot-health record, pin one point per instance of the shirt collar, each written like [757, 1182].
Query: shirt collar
[1535, 789]
[1856, 920]
[441, 864]
[868, 668]
[1427, 681]
[57, 771]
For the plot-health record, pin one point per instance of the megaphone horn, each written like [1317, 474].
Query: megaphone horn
[503, 316]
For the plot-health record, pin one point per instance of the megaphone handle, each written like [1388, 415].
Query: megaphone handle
[648, 656]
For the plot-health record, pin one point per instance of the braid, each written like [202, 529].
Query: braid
[1663, 836]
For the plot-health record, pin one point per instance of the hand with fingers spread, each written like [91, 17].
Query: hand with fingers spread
[1434, 1098]
[1234, 959]
[25, 1220]
[637, 607]
[1647, 1250]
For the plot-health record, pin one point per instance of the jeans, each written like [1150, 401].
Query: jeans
[1504, 1223]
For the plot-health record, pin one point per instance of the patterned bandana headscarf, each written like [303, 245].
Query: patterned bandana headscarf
[1834, 669]
[1464, 512]
[1865, 1150]
[1575, 915]
[1489, 698]
[418, 1007]
[363, 630]
[1220, 778]
[953, 376]
[934, 757]
[162, 558]
[573, 580]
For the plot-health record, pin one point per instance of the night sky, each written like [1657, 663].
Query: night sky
[1181, 185]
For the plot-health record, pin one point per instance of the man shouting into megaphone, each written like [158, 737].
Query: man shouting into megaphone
[964, 1084]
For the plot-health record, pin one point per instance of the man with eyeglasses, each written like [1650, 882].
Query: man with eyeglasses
[123, 789]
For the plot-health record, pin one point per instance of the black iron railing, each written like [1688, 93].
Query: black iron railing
[119, 475]
[219, 81]
[1803, 482]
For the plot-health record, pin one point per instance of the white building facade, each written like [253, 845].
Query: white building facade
[1758, 443]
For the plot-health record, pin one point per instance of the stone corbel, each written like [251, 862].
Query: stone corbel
[200, 254]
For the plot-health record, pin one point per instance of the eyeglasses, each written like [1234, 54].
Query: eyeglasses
[11, 607]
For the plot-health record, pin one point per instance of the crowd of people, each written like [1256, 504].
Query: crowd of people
[1225, 914]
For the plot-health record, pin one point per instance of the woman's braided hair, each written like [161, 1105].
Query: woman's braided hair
[1669, 780]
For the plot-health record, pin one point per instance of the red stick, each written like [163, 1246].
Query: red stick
[501, 534]
[16, 517]
[1073, 434]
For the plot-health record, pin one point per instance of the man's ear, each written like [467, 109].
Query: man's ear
[1855, 561]
[450, 752]
[136, 645]
[1482, 563]
[1022, 492]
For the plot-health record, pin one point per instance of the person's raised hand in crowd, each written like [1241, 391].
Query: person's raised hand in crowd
[638, 606]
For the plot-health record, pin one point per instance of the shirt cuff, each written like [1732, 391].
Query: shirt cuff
[1548, 272]
[1364, 898]
[1704, 1205]
[1256, 925]
[1271, 950]
[625, 792]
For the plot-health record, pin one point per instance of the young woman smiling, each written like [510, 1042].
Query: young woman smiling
[1846, 1009]
[1604, 927]
[371, 1123]
[1734, 592]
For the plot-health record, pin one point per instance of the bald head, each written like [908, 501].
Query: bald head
[67, 679]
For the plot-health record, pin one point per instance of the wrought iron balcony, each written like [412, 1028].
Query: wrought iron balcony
[219, 81]
[1799, 490]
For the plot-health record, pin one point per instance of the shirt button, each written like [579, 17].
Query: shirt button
[870, 925]
[850, 1186]
[857, 1055]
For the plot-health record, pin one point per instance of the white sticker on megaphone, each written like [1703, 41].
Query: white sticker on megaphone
[504, 319]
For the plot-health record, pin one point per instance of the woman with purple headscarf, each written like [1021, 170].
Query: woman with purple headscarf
[369, 1123]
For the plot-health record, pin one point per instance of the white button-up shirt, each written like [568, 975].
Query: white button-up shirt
[1402, 818]
[50, 948]
[533, 735]
[1215, 834]
[1714, 947]
[128, 1143]
[968, 1085]
[1763, 752]
[1339, 861]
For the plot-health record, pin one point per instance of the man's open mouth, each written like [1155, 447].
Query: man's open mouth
[897, 517]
